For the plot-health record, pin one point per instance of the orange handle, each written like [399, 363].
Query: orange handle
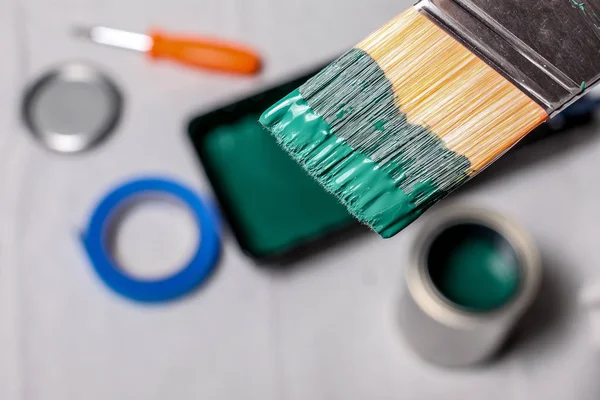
[205, 53]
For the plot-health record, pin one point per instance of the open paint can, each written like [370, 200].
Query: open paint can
[472, 275]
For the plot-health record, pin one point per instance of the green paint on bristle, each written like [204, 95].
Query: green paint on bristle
[344, 128]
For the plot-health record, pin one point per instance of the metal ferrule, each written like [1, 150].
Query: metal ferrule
[550, 49]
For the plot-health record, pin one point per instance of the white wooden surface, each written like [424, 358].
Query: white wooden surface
[325, 330]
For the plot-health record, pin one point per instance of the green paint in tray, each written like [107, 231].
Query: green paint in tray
[275, 204]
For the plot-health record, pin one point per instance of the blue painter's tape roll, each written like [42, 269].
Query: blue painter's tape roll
[187, 278]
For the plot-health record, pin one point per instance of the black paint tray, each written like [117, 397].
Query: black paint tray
[276, 211]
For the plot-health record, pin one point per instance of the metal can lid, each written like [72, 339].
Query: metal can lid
[72, 108]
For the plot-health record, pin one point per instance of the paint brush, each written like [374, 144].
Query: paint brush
[433, 97]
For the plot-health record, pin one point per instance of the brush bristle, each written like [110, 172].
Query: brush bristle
[401, 120]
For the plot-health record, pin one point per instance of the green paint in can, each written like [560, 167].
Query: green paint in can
[474, 267]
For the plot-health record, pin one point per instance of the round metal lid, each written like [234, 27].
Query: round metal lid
[72, 108]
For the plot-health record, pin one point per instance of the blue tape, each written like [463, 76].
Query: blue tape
[187, 278]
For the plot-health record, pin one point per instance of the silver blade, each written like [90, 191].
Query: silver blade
[115, 37]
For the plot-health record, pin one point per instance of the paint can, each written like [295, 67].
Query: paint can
[472, 275]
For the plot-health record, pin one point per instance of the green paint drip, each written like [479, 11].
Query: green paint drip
[580, 5]
[593, 17]
[344, 128]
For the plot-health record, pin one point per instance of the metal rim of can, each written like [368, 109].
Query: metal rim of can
[432, 302]
[80, 72]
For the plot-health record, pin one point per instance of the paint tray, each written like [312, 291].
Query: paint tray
[276, 211]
